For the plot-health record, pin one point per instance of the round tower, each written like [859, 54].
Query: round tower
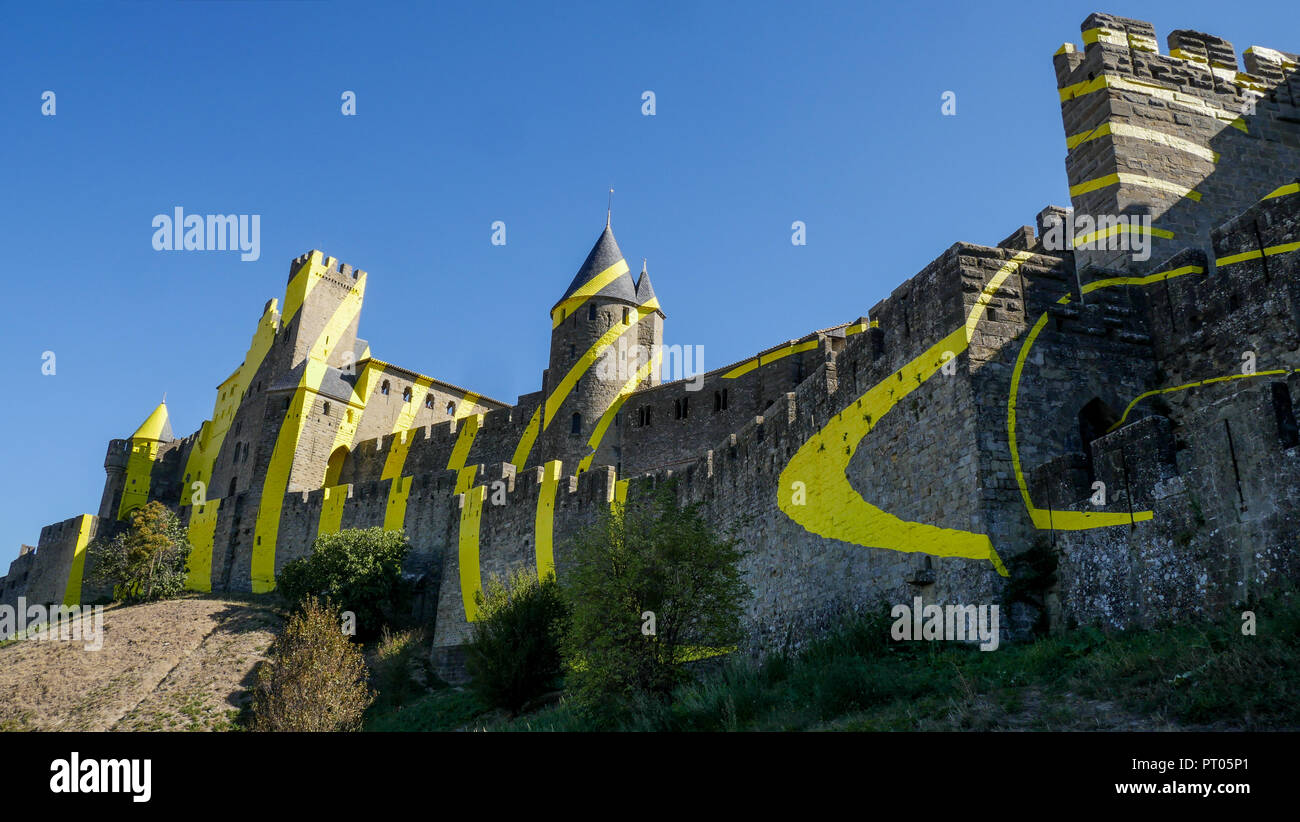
[596, 348]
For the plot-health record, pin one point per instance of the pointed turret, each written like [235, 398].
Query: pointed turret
[645, 292]
[604, 274]
[156, 427]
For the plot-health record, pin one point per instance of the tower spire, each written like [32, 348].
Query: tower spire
[609, 207]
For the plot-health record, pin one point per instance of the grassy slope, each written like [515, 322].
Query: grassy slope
[1195, 676]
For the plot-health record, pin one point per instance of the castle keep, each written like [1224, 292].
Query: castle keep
[1132, 418]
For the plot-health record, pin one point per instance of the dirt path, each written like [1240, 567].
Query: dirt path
[183, 664]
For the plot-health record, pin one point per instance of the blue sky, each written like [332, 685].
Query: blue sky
[468, 113]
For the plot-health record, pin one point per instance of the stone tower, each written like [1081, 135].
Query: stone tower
[602, 334]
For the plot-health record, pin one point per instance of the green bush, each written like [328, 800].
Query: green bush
[514, 653]
[360, 569]
[650, 557]
[314, 678]
[148, 560]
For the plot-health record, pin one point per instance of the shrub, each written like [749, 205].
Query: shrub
[360, 569]
[314, 678]
[652, 556]
[148, 560]
[514, 653]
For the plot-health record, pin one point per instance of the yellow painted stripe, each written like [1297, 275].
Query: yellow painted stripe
[1133, 180]
[395, 461]
[301, 285]
[772, 356]
[1293, 188]
[1099, 35]
[395, 511]
[856, 328]
[1145, 134]
[545, 519]
[624, 392]
[529, 437]
[620, 494]
[72, 592]
[798, 348]
[1147, 280]
[1270, 251]
[276, 482]
[588, 289]
[139, 471]
[1186, 386]
[741, 370]
[202, 530]
[466, 405]
[1122, 228]
[331, 510]
[987, 293]
[471, 582]
[1183, 54]
[401, 443]
[460, 453]
[1178, 98]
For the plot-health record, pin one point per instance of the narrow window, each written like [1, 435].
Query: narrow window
[327, 409]
[717, 401]
[383, 389]
[451, 408]
[428, 401]
[406, 394]
[591, 311]
[575, 424]
[233, 482]
[724, 399]
[626, 315]
[573, 351]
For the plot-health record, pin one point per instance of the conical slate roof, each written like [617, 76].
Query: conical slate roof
[603, 274]
[156, 427]
[645, 292]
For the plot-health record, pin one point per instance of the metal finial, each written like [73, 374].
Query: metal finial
[609, 208]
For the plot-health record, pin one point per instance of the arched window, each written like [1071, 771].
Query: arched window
[406, 394]
[451, 408]
[334, 468]
[327, 409]
[428, 401]
[233, 482]
[383, 389]
[575, 424]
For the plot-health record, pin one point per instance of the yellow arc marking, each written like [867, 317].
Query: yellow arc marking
[833, 507]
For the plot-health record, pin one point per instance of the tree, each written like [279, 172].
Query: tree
[360, 569]
[652, 586]
[147, 560]
[314, 678]
[514, 651]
